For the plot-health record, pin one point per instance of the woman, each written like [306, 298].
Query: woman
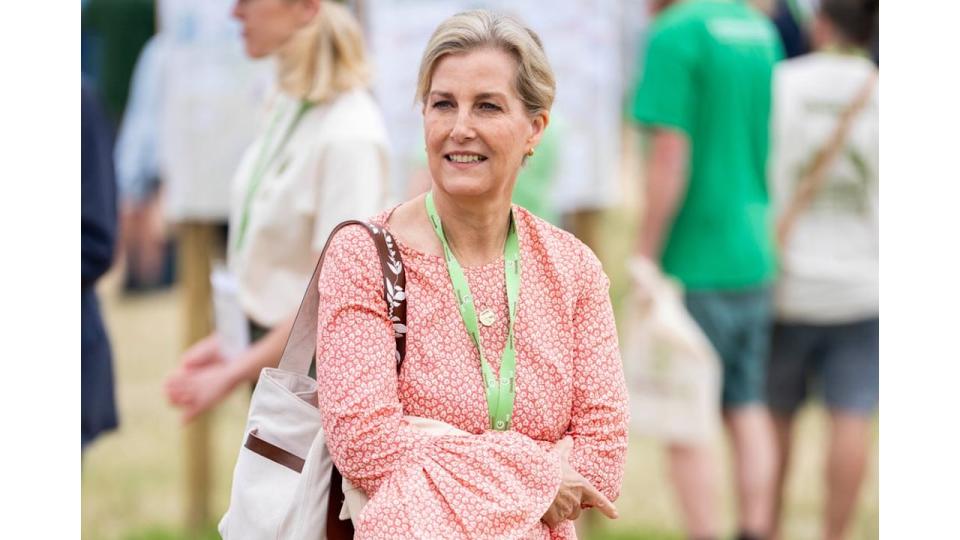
[827, 299]
[321, 159]
[546, 328]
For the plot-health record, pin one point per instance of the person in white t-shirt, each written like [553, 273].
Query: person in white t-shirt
[320, 158]
[827, 298]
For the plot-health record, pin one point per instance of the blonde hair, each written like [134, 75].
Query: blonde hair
[480, 28]
[324, 58]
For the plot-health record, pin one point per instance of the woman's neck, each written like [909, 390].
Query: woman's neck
[476, 231]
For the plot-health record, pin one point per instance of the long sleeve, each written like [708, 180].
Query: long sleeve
[487, 485]
[599, 421]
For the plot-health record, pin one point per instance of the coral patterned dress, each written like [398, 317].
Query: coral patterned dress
[489, 484]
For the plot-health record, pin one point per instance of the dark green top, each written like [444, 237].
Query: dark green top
[707, 73]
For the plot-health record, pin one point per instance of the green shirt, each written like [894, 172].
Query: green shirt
[708, 73]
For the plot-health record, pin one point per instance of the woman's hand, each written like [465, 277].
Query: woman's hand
[203, 353]
[203, 379]
[575, 492]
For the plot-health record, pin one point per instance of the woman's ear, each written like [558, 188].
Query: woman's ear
[308, 10]
[539, 123]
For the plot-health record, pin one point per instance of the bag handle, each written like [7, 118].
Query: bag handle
[813, 182]
[302, 341]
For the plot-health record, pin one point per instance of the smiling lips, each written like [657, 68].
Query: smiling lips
[464, 157]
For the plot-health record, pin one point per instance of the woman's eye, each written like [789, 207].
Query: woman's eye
[489, 107]
[443, 104]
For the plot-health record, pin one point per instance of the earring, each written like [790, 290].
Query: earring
[530, 152]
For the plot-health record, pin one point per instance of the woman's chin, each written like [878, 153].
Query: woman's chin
[465, 187]
[255, 51]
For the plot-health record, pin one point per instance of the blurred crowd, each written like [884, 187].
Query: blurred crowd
[223, 140]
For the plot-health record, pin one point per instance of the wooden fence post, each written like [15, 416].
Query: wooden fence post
[197, 243]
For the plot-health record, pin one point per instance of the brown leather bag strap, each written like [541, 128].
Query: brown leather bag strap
[302, 341]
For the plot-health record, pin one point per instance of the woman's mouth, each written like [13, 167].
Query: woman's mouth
[462, 158]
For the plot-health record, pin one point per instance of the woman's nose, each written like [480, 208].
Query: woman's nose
[462, 127]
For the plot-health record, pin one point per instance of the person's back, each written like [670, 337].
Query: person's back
[829, 269]
[717, 91]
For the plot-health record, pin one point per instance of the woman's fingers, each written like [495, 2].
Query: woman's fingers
[592, 497]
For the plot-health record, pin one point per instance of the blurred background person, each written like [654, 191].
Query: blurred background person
[704, 97]
[98, 231]
[322, 157]
[147, 250]
[827, 296]
[113, 35]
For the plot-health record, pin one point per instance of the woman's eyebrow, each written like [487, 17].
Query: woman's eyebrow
[481, 95]
[488, 95]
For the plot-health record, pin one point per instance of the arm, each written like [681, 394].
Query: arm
[205, 377]
[459, 484]
[664, 102]
[599, 421]
[666, 174]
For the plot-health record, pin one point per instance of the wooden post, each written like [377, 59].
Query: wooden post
[196, 243]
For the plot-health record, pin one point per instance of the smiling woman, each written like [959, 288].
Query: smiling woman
[510, 331]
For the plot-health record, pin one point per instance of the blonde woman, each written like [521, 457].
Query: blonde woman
[527, 364]
[321, 158]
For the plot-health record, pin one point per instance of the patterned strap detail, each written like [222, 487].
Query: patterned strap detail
[394, 286]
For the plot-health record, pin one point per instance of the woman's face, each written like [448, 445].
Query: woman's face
[475, 126]
[268, 24]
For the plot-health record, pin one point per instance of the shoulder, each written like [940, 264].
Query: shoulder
[677, 33]
[682, 16]
[557, 251]
[354, 115]
[351, 255]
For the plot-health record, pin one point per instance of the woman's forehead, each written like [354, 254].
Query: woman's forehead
[480, 71]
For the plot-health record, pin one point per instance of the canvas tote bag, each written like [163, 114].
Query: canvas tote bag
[672, 371]
[284, 484]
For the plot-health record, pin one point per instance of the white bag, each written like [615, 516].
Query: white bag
[283, 477]
[672, 370]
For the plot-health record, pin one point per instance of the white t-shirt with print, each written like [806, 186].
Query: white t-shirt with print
[829, 268]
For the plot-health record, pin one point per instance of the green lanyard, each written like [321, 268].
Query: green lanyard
[500, 393]
[262, 164]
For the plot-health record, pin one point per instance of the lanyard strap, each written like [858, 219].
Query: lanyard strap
[262, 164]
[500, 393]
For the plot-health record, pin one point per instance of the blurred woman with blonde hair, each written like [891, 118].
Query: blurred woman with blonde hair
[320, 158]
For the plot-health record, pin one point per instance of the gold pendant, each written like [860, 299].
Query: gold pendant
[487, 317]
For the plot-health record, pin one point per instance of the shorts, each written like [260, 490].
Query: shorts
[841, 360]
[737, 323]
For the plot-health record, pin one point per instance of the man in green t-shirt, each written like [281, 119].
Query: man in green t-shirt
[704, 96]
